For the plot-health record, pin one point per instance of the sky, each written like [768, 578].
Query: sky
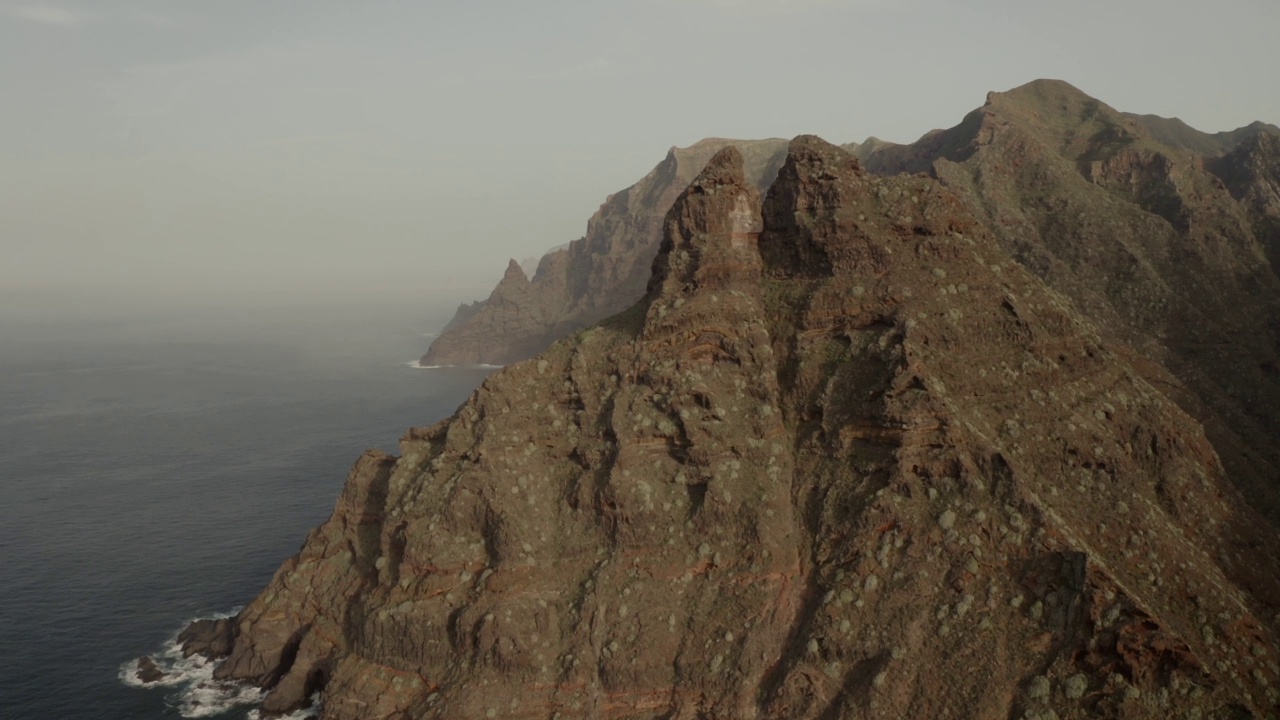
[292, 150]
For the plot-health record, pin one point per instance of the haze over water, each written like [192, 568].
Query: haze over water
[158, 468]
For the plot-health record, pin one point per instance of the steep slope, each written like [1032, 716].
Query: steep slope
[843, 459]
[1251, 172]
[1143, 239]
[595, 277]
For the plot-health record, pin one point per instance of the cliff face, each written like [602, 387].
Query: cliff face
[844, 458]
[1122, 215]
[593, 278]
[1251, 172]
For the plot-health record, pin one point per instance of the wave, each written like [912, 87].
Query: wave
[192, 689]
[417, 365]
[304, 714]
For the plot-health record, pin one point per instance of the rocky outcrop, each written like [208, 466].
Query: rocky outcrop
[148, 672]
[1115, 212]
[597, 276]
[209, 637]
[844, 458]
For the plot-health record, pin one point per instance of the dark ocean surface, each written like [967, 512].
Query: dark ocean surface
[158, 468]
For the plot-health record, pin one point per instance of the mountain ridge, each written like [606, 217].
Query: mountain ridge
[1170, 251]
[978, 427]
[841, 452]
[595, 276]
[1144, 238]
[607, 274]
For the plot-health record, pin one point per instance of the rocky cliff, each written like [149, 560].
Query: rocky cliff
[1251, 172]
[1130, 218]
[593, 278]
[845, 457]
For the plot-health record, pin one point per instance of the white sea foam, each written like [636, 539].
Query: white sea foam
[304, 714]
[193, 691]
[419, 366]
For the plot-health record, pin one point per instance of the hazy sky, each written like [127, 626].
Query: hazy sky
[405, 150]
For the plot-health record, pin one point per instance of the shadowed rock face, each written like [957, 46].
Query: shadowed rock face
[844, 458]
[1122, 216]
[593, 278]
[1251, 173]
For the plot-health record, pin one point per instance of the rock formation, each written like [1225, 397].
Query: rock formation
[845, 457]
[592, 278]
[148, 671]
[1251, 171]
[1121, 215]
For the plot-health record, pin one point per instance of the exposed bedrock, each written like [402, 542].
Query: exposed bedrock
[844, 458]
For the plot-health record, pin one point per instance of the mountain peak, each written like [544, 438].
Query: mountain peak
[711, 230]
[1052, 105]
[1041, 91]
[760, 158]
[726, 167]
[810, 149]
[514, 273]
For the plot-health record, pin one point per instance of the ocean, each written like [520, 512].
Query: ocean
[157, 467]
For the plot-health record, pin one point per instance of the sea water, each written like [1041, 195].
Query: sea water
[158, 467]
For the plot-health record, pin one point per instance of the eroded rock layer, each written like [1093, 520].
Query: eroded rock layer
[845, 458]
